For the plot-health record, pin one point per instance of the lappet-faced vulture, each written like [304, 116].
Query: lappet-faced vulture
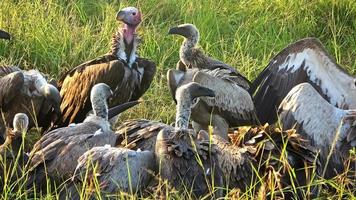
[27, 92]
[11, 159]
[321, 123]
[57, 152]
[231, 107]
[116, 170]
[129, 76]
[303, 61]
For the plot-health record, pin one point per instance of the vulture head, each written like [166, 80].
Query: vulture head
[20, 123]
[4, 35]
[130, 16]
[185, 96]
[99, 95]
[191, 91]
[52, 94]
[188, 31]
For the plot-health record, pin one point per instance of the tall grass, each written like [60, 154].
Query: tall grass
[56, 35]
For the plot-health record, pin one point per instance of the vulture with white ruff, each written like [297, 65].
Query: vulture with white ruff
[28, 92]
[115, 169]
[231, 107]
[129, 76]
[56, 153]
[320, 122]
[303, 61]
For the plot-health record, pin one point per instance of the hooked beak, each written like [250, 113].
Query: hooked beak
[122, 107]
[4, 35]
[120, 15]
[174, 30]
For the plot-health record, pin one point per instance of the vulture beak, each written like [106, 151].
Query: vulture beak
[183, 31]
[120, 15]
[122, 107]
[4, 35]
[196, 90]
[174, 30]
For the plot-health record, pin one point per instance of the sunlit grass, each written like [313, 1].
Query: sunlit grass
[56, 35]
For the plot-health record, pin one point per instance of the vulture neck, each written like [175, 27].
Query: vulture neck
[100, 108]
[183, 111]
[186, 49]
[129, 31]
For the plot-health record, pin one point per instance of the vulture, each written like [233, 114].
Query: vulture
[28, 92]
[193, 57]
[178, 154]
[231, 107]
[129, 75]
[117, 170]
[265, 152]
[10, 155]
[327, 127]
[57, 152]
[4, 35]
[303, 61]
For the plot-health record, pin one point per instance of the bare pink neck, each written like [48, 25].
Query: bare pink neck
[129, 32]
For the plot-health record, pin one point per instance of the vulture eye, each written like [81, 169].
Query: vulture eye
[133, 13]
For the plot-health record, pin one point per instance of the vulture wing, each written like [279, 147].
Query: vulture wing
[112, 172]
[10, 86]
[231, 100]
[174, 78]
[304, 61]
[77, 83]
[235, 75]
[149, 70]
[316, 119]
[140, 134]
[5, 70]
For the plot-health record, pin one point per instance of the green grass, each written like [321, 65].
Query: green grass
[56, 35]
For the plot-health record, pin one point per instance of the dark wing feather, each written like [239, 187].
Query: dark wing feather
[139, 134]
[5, 70]
[147, 77]
[231, 100]
[10, 86]
[303, 61]
[76, 86]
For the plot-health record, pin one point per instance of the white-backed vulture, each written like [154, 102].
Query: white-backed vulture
[231, 107]
[121, 69]
[4, 35]
[28, 92]
[268, 153]
[10, 155]
[57, 152]
[115, 169]
[177, 152]
[192, 56]
[303, 61]
[320, 122]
